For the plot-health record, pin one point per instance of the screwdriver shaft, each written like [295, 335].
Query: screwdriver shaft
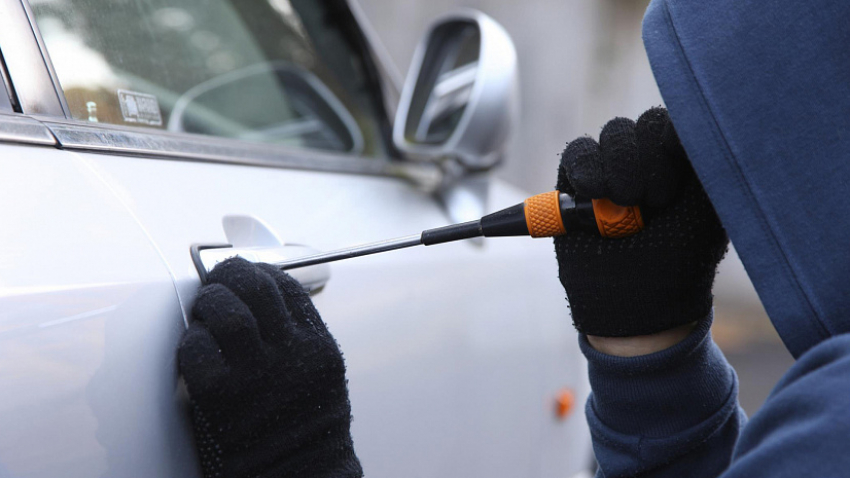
[349, 252]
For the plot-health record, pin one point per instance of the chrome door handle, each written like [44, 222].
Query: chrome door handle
[312, 278]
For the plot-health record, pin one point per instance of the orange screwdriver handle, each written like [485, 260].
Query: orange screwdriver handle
[615, 221]
[543, 216]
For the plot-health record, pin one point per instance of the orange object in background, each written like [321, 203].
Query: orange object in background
[564, 403]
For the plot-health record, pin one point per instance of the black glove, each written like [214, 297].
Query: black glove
[661, 277]
[266, 379]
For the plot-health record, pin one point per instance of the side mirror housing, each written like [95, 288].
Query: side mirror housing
[460, 98]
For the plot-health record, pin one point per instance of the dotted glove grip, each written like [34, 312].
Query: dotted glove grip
[624, 283]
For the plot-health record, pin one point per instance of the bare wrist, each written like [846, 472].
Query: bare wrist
[640, 344]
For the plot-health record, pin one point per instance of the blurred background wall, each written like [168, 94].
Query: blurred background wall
[582, 63]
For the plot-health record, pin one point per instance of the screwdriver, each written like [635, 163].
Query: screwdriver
[544, 215]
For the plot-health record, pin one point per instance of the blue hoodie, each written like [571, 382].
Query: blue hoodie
[759, 93]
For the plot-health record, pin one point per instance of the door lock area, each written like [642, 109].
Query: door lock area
[312, 278]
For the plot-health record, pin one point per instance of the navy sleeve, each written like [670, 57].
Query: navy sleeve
[803, 429]
[673, 413]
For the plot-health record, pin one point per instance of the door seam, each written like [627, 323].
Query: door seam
[85, 162]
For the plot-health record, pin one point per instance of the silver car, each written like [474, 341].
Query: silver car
[135, 132]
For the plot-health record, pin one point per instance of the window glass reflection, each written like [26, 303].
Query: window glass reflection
[259, 70]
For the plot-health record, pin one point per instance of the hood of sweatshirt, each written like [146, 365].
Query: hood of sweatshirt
[759, 93]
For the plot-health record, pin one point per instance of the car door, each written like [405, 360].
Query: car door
[89, 320]
[261, 125]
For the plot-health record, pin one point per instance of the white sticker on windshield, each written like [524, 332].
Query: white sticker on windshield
[139, 108]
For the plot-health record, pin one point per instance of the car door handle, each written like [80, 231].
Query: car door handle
[312, 278]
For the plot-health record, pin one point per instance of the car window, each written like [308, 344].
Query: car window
[275, 71]
[5, 98]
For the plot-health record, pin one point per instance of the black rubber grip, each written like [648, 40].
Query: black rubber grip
[455, 232]
[507, 222]
[577, 213]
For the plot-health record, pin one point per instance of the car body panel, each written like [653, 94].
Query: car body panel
[455, 352]
[447, 346]
[90, 322]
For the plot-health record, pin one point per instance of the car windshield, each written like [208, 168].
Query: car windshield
[277, 71]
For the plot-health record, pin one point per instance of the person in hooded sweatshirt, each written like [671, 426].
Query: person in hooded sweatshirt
[756, 145]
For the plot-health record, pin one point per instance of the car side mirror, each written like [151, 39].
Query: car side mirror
[460, 98]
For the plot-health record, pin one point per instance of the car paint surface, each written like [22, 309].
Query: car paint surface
[455, 352]
[89, 323]
[448, 346]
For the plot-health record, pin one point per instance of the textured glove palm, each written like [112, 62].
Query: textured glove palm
[266, 379]
[661, 277]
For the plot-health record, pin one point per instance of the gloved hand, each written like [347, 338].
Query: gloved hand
[661, 277]
[266, 379]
